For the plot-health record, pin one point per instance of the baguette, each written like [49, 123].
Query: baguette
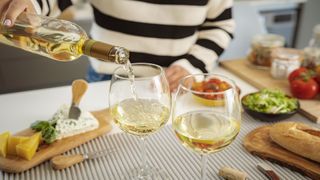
[298, 138]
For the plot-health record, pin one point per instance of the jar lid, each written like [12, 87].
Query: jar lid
[288, 54]
[268, 40]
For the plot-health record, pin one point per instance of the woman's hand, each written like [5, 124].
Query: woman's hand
[11, 9]
[174, 74]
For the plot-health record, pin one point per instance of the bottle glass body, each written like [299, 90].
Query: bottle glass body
[58, 39]
[312, 51]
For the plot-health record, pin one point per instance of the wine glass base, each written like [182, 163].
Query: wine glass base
[148, 173]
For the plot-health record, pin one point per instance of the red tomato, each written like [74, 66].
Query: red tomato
[304, 88]
[214, 81]
[224, 86]
[297, 73]
[318, 81]
[317, 78]
[211, 85]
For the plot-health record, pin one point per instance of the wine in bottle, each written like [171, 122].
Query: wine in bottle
[58, 39]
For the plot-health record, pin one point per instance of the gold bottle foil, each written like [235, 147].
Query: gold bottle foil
[105, 52]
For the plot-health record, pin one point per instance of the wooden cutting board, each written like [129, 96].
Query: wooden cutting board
[258, 142]
[15, 164]
[261, 78]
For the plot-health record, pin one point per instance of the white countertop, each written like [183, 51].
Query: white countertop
[19, 110]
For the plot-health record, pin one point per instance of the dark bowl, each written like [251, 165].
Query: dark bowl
[269, 117]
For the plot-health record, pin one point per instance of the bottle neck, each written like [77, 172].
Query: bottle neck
[105, 52]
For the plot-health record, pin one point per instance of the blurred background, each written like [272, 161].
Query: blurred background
[293, 19]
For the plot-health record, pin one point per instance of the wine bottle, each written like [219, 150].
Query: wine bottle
[58, 39]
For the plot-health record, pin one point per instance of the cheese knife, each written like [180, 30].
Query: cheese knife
[79, 87]
[64, 161]
[268, 171]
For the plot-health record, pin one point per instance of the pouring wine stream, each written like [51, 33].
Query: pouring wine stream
[128, 68]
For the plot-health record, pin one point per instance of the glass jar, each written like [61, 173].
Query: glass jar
[284, 61]
[261, 48]
[312, 51]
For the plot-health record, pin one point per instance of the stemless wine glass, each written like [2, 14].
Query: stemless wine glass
[206, 121]
[140, 106]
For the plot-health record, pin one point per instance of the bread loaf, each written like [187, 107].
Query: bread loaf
[298, 138]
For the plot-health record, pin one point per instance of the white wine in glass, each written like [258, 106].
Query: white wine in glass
[206, 119]
[205, 131]
[141, 116]
[140, 104]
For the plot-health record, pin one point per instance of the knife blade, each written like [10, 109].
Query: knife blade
[79, 87]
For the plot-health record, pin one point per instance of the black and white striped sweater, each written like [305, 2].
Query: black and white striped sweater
[190, 33]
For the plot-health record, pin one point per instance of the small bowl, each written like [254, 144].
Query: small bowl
[208, 102]
[269, 117]
[211, 102]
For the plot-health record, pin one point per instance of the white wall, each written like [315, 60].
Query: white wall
[310, 17]
[248, 23]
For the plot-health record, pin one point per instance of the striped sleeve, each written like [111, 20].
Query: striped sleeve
[52, 7]
[214, 36]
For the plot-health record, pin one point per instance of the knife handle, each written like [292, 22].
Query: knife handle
[63, 161]
[272, 175]
[79, 87]
[232, 174]
[268, 171]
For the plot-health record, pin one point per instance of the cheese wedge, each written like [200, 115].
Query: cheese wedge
[13, 141]
[27, 149]
[4, 143]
